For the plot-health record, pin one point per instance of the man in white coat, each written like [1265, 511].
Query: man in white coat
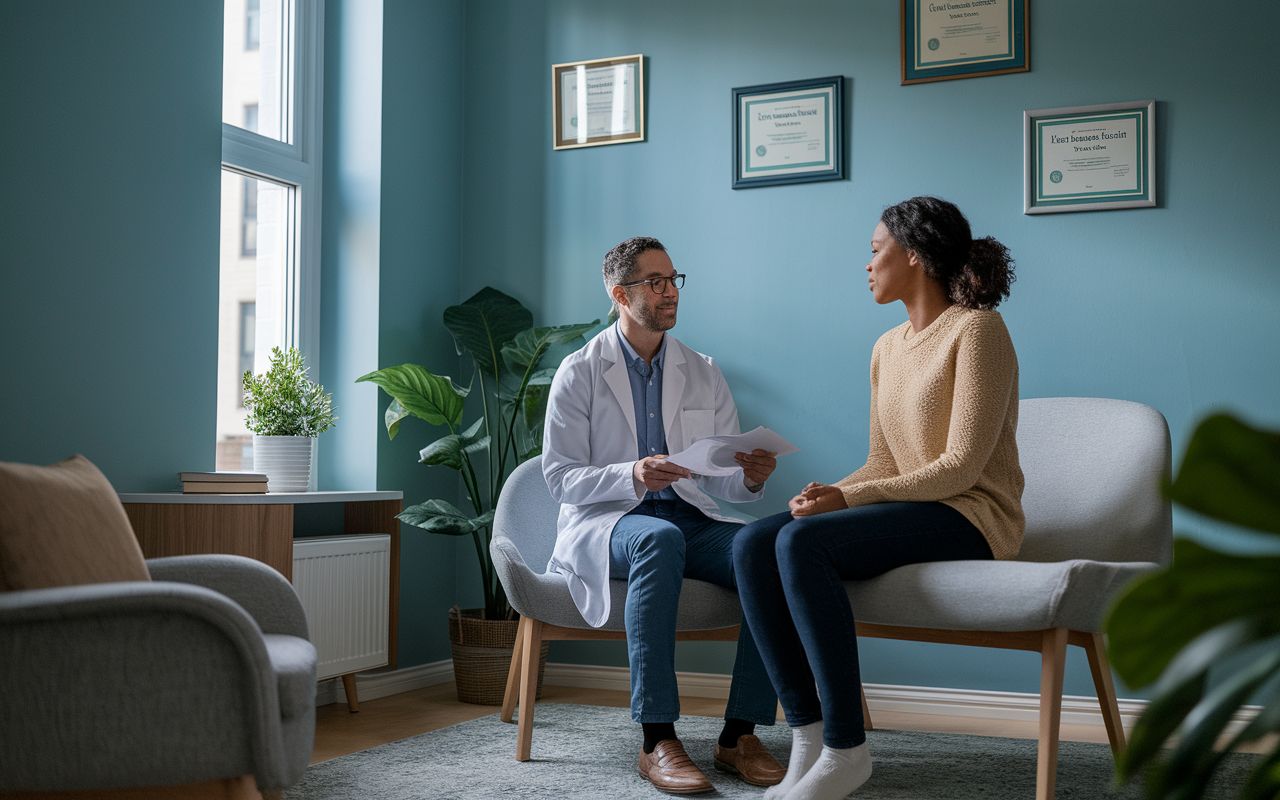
[617, 408]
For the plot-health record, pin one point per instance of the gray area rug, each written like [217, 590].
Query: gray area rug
[588, 752]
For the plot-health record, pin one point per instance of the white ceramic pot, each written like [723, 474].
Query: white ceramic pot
[287, 461]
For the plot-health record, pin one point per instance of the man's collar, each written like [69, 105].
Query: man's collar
[629, 352]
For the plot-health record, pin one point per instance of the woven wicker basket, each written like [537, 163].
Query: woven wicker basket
[482, 650]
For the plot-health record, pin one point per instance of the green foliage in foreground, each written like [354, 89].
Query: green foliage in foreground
[514, 363]
[282, 402]
[1207, 610]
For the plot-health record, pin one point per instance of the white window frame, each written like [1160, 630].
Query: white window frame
[296, 164]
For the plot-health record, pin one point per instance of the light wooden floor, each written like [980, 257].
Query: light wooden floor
[387, 719]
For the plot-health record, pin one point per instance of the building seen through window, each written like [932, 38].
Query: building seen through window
[258, 229]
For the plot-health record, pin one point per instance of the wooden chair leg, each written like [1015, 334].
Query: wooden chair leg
[1053, 660]
[349, 685]
[530, 647]
[513, 674]
[866, 711]
[1101, 669]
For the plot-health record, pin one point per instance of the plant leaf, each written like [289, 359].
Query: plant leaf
[470, 442]
[1231, 472]
[443, 452]
[395, 413]
[1206, 721]
[1156, 725]
[429, 397]
[437, 516]
[486, 322]
[529, 346]
[1159, 614]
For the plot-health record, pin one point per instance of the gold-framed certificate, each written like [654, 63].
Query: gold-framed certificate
[947, 39]
[597, 102]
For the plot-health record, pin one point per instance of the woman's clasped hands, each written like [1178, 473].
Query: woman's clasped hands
[817, 498]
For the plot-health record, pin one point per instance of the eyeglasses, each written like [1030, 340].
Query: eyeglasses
[658, 285]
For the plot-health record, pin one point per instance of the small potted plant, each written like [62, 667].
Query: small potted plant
[286, 414]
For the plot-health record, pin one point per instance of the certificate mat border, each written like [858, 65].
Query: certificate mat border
[1146, 161]
[1018, 61]
[834, 131]
[559, 143]
[826, 95]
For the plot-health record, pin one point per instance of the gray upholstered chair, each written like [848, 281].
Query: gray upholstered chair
[1095, 521]
[204, 674]
[524, 533]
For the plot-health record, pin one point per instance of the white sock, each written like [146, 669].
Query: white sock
[806, 746]
[835, 774]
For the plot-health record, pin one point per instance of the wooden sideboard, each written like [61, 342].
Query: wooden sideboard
[259, 526]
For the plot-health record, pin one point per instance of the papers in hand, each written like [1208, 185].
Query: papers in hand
[714, 454]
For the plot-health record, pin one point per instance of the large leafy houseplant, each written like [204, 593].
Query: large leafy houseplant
[1209, 610]
[513, 366]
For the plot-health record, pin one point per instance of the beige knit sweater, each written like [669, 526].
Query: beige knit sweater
[944, 412]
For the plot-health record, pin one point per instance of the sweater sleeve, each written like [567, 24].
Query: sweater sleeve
[986, 368]
[880, 462]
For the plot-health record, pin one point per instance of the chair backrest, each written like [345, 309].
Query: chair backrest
[526, 515]
[1093, 469]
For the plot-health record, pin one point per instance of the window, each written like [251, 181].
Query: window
[270, 230]
[248, 330]
[249, 219]
[252, 32]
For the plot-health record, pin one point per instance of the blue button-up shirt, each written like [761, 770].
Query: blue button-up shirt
[646, 396]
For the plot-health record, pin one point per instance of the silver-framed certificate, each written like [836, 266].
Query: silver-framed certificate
[788, 132]
[947, 39]
[597, 102]
[1089, 158]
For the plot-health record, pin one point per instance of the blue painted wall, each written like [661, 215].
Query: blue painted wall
[391, 264]
[109, 153]
[1172, 306]
[422, 92]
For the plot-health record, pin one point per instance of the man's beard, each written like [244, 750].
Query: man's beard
[650, 320]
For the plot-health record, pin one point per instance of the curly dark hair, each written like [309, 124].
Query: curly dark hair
[976, 273]
[620, 262]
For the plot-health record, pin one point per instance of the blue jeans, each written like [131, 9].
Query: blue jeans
[655, 547]
[792, 573]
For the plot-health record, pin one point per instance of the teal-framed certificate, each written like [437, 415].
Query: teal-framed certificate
[1089, 158]
[788, 132]
[943, 40]
[597, 102]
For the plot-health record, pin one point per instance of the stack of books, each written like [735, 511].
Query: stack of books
[223, 482]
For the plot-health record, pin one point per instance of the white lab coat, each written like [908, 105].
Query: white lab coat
[589, 449]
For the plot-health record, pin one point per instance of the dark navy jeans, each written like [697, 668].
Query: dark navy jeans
[655, 547]
[791, 574]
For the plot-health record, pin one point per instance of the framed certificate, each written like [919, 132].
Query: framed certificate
[788, 132]
[1089, 158]
[597, 102]
[947, 39]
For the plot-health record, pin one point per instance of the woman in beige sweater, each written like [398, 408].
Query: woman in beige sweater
[941, 482]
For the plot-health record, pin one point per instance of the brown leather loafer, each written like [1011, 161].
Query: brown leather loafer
[670, 769]
[750, 761]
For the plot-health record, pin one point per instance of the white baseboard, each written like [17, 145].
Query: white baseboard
[880, 697]
[888, 697]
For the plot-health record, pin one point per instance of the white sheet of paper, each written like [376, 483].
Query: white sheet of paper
[713, 455]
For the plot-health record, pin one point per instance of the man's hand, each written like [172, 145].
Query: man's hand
[817, 498]
[656, 473]
[757, 466]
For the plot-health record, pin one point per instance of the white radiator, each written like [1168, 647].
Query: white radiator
[344, 583]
